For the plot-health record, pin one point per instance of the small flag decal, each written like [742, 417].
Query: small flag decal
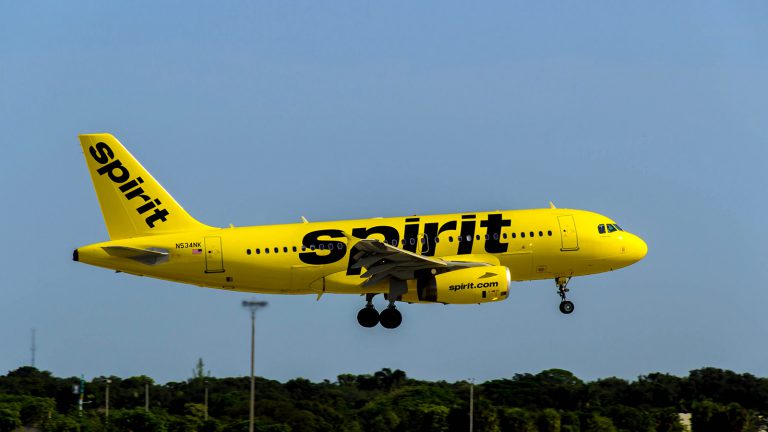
[197, 251]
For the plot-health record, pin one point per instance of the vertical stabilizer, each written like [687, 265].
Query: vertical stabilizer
[133, 203]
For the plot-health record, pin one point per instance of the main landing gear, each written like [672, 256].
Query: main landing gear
[566, 306]
[388, 318]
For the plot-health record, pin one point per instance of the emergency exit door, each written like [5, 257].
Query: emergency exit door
[214, 259]
[568, 236]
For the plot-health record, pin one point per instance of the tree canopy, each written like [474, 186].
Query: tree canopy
[553, 400]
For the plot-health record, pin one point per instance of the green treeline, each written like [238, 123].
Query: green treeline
[553, 400]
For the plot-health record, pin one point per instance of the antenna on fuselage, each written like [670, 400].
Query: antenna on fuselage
[304, 220]
[552, 205]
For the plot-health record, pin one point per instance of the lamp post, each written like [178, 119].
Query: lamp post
[106, 410]
[253, 306]
[206, 400]
[471, 404]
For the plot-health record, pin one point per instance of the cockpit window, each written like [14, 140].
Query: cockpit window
[611, 228]
[601, 229]
[618, 227]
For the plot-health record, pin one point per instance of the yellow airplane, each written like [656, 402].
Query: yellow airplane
[462, 258]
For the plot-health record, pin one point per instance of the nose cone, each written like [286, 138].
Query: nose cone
[637, 248]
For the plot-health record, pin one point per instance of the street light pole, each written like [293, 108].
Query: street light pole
[206, 400]
[106, 411]
[253, 306]
[471, 404]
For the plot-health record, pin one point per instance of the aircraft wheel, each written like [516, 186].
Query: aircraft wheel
[566, 307]
[390, 318]
[368, 317]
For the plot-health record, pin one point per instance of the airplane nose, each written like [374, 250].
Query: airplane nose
[637, 249]
[642, 248]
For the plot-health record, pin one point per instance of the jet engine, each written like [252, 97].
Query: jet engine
[466, 286]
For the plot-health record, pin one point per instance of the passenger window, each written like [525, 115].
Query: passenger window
[266, 250]
[330, 246]
[450, 239]
[437, 239]
[601, 229]
[478, 237]
[469, 238]
[459, 239]
[247, 251]
[413, 241]
[495, 236]
[549, 233]
[611, 228]
[277, 250]
[341, 246]
[258, 251]
[394, 242]
[285, 249]
[531, 233]
[504, 235]
[294, 248]
[522, 235]
[541, 234]
[321, 246]
[311, 247]
[303, 248]
[514, 235]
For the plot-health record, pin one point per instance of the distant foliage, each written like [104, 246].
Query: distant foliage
[553, 400]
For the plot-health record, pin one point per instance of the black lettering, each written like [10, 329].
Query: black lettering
[332, 256]
[410, 234]
[159, 214]
[467, 234]
[110, 168]
[494, 223]
[430, 232]
[131, 184]
[390, 234]
[104, 155]
[148, 206]
[138, 192]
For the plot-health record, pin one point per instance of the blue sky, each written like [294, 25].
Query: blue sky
[654, 114]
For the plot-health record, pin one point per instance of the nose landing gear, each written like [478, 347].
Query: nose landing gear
[566, 306]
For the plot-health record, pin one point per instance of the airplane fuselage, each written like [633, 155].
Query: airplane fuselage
[306, 258]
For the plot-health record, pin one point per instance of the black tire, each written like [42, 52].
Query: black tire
[368, 317]
[390, 318]
[566, 307]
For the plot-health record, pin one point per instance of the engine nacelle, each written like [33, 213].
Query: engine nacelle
[465, 286]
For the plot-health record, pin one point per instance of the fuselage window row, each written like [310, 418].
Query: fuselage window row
[412, 241]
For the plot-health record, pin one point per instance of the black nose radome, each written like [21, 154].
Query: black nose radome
[75, 256]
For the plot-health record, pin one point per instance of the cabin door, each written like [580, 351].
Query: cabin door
[568, 236]
[214, 259]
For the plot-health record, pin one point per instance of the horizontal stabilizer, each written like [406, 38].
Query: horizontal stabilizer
[150, 256]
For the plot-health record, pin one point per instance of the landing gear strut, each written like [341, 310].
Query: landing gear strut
[368, 316]
[566, 306]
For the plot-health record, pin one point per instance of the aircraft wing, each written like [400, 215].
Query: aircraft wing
[383, 261]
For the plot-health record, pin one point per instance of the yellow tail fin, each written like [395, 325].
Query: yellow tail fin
[133, 203]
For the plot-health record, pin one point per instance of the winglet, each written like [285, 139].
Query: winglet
[304, 220]
[552, 205]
